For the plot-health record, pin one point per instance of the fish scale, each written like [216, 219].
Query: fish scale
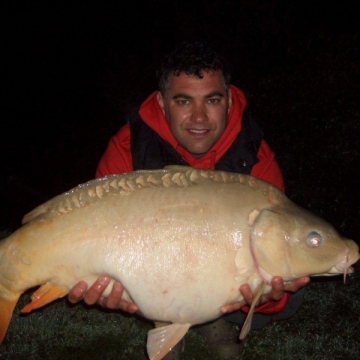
[171, 236]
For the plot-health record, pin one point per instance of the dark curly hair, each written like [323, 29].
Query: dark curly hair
[192, 58]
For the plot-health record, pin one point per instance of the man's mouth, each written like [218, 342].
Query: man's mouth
[198, 131]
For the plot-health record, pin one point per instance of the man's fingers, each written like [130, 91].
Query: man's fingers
[112, 301]
[233, 307]
[277, 289]
[95, 291]
[77, 292]
[94, 295]
[297, 284]
[247, 294]
[128, 307]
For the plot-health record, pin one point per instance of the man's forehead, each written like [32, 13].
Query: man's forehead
[210, 80]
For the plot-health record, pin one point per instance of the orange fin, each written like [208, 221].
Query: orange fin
[44, 295]
[6, 310]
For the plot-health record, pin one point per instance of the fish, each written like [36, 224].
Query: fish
[180, 240]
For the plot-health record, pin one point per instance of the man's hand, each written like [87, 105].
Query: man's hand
[277, 291]
[94, 295]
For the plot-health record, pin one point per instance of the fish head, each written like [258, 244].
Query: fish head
[289, 241]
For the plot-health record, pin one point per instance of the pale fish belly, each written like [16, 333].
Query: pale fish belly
[176, 272]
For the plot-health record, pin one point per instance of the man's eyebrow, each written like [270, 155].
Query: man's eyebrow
[182, 96]
[214, 93]
[207, 96]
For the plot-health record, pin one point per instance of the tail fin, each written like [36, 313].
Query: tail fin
[6, 311]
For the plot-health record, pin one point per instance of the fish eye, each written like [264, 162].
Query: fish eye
[314, 239]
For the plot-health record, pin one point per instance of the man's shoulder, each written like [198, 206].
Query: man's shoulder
[133, 116]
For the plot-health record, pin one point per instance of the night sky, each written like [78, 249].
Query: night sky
[74, 70]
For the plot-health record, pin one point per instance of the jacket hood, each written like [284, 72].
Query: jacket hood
[153, 116]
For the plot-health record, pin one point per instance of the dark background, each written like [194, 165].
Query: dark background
[74, 69]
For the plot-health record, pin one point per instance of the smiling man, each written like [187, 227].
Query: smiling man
[196, 110]
[197, 118]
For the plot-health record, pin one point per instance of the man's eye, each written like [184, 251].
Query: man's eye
[182, 102]
[213, 101]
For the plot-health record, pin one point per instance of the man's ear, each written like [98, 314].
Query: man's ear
[230, 99]
[160, 101]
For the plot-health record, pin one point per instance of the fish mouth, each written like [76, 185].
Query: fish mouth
[336, 271]
[343, 267]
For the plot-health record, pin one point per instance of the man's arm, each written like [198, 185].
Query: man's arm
[267, 168]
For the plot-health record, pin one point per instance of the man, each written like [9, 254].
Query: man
[198, 119]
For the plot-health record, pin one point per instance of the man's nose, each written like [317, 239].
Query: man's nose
[199, 114]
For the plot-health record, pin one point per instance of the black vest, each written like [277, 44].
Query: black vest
[150, 151]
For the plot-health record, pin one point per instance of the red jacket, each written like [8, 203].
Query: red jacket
[117, 157]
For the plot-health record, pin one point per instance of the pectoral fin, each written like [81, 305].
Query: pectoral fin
[162, 339]
[44, 295]
[247, 324]
[6, 311]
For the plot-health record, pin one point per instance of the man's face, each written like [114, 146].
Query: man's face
[196, 110]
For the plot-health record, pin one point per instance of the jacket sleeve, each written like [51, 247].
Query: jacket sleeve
[117, 156]
[271, 307]
[267, 168]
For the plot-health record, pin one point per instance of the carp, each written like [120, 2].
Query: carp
[180, 240]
